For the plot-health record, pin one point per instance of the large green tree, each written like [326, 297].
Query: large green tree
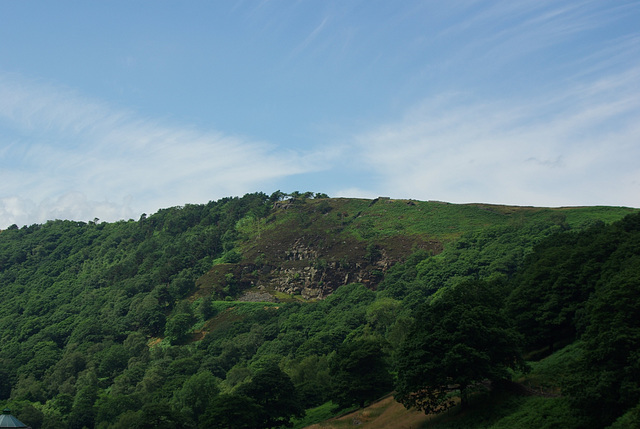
[360, 372]
[228, 411]
[457, 340]
[274, 392]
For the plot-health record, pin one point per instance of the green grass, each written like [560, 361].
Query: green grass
[577, 216]
[441, 221]
[539, 413]
[502, 410]
[366, 220]
[549, 372]
[317, 415]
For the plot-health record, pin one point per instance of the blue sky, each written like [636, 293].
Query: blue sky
[114, 109]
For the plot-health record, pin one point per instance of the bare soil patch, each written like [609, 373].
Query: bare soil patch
[384, 414]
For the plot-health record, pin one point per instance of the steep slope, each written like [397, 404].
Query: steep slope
[310, 247]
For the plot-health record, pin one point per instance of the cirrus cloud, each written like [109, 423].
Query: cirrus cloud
[70, 157]
[577, 147]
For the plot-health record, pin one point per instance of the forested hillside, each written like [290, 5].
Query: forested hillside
[245, 312]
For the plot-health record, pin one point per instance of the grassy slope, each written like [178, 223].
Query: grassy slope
[379, 219]
[339, 230]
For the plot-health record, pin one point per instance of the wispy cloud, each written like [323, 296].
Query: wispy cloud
[506, 31]
[572, 148]
[311, 37]
[71, 155]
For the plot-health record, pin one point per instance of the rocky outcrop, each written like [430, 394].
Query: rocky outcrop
[316, 279]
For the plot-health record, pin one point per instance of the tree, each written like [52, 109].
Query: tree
[276, 395]
[382, 313]
[196, 393]
[83, 412]
[113, 360]
[27, 413]
[159, 415]
[359, 372]
[206, 309]
[458, 339]
[277, 196]
[311, 379]
[5, 387]
[178, 327]
[231, 412]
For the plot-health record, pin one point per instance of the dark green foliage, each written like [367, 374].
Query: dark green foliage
[25, 412]
[73, 292]
[206, 309]
[360, 372]
[522, 413]
[110, 407]
[274, 393]
[556, 282]
[491, 253]
[177, 327]
[311, 379]
[631, 419]
[607, 380]
[113, 361]
[83, 413]
[193, 399]
[231, 412]
[159, 415]
[5, 386]
[588, 285]
[459, 339]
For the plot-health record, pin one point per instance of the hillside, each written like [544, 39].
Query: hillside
[189, 317]
[310, 247]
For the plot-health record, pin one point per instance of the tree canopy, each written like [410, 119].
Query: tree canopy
[360, 372]
[457, 341]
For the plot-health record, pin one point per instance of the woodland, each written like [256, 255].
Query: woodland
[284, 310]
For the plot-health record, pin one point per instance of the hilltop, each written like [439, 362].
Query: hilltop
[308, 247]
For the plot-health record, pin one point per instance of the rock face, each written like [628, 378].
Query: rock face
[317, 279]
[304, 270]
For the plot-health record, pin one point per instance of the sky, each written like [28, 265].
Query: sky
[113, 109]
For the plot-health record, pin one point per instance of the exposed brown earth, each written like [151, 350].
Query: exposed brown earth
[384, 414]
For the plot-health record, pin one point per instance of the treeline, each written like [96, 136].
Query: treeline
[586, 287]
[96, 331]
